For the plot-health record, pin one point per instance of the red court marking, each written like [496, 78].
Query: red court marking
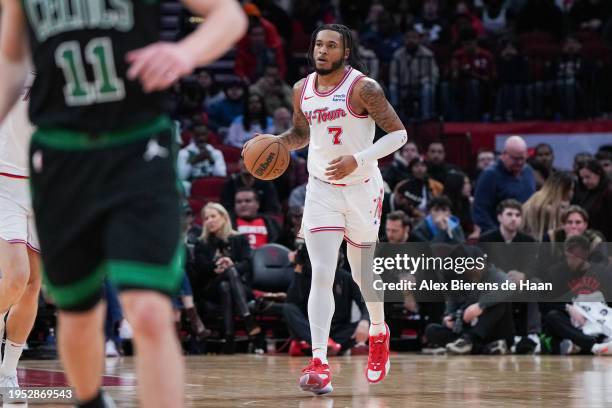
[30, 377]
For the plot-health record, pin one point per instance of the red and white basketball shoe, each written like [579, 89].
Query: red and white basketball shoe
[316, 378]
[378, 357]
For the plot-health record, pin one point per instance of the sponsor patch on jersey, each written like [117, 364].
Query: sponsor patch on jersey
[339, 98]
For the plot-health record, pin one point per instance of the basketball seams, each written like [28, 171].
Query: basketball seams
[270, 171]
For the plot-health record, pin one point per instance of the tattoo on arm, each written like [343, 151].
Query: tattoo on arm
[298, 135]
[377, 106]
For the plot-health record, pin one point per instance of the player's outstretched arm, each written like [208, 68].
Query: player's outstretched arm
[298, 135]
[13, 55]
[160, 64]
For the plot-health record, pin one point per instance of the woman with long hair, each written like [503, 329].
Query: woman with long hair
[255, 120]
[458, 187]
[222, 271]
[597, 198]
[542, 212]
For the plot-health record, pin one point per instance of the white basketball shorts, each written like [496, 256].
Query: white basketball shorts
[16, 215]
[353, 209]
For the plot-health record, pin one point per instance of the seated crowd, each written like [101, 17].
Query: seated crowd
[455, 59]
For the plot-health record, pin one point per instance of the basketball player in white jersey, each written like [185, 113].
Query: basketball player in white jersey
[19, 261]
[336, 110]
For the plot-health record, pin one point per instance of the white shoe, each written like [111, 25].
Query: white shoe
[111, 349]
[9, 381]
[536, 339]
[602, 349]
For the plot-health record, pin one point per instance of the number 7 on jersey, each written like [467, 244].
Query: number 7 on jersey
[336, 133]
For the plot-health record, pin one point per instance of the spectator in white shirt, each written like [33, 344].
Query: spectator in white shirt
[199, 159]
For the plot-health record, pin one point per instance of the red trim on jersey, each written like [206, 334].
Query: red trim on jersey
[303, 92]
[15, 176]
[348, 99]
[33, 248]
[349, 241]
[314, 84]
[323, 229]
[17, 241]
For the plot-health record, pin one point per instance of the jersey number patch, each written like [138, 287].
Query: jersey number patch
[78, 91]
[336, 133]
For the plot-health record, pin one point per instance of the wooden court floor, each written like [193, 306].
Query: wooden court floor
[414, 381]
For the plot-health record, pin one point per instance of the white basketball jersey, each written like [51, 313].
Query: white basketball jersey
[335, 130]
[15, 134]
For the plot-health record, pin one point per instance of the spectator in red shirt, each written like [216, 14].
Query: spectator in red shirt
[259, 229]
[472, 73]
[262, 46]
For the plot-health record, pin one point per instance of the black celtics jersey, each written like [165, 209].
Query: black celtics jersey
[78, 50]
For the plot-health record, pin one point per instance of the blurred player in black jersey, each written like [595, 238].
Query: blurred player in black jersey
[104, 188]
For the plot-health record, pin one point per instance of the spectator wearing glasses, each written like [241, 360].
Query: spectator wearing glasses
[510, 177]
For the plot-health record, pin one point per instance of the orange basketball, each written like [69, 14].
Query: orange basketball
[266, 157]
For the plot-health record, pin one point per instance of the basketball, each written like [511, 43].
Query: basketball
[266, 157]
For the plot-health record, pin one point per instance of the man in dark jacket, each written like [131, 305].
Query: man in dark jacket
[514, 253]
[343, 333]
[475, 320]
[510, 177]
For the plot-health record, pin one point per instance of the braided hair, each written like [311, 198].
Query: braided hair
[347, 42]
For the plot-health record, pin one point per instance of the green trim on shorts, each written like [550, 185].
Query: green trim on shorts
[66, 139]
[165, 278]
[72, 294]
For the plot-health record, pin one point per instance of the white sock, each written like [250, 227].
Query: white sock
[377, 328]
[375, 309]
[12, 353]
[321, 354]
[323, 250]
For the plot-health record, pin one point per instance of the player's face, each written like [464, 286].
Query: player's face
[213, 221]
[329, 53]
[395, 231]
[510, 219]
[574, 225]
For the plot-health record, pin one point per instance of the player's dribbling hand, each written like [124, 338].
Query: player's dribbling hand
[251, 140]
[159, 65]
[341, 167]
